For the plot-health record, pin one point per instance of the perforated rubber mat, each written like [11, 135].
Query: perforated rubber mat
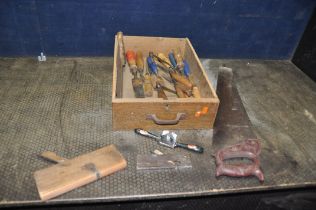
[64, 105]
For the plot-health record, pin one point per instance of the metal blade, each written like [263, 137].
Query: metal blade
[232, 123]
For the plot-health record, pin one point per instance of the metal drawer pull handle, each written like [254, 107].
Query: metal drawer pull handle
[180, 116]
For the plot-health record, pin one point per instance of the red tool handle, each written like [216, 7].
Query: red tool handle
[249, 149]
[240, 170]
[131, 57]
[191, 147]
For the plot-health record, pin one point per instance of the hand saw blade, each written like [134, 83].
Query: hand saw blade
[232, 123]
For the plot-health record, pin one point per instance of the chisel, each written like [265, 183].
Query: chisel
[148, 88]
[187, 73]
[140, 62]
[177, 77]
[180, 79]
[164, 59]
[155, 78]
[179, 60]
[172, 59]
[136, 81]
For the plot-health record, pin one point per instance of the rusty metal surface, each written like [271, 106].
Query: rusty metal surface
[64, 105]
[231, 114]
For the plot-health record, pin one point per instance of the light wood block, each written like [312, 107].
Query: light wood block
[73, 173]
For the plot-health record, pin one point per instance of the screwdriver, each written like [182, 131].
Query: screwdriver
[136, 82]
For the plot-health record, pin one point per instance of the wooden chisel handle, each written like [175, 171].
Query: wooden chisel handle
[180, 93]
[196, 92]
[140, 61]
[179, 59]
[181, 80]
[165, 59]
[161, 92]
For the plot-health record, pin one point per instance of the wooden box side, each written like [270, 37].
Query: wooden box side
[198, 73]
[155, 44]
[130, 115]
[117, 69]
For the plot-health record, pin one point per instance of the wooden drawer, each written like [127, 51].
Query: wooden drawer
[155, 113]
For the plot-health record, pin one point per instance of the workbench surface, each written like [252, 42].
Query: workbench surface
[64, 105]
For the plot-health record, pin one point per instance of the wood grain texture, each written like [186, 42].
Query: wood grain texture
[129, 112]
[134, 115]
[70, 174]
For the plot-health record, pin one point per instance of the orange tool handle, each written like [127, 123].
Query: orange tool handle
[131, 57]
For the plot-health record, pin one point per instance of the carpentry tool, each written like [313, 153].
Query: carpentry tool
[247, 149]
[169, 139]
[153, 67]
[186, 70]
[140, 63]
[172, 59]
[121, 47]
[168, 89]
[136, 81]
[148, 88]
[179, 91]
[179, 60]
[163, 161]
[177, 77]
[164, 59]
[182, 85]
[158, 81]
[181, 79]
[69, 174]
[232, 124]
